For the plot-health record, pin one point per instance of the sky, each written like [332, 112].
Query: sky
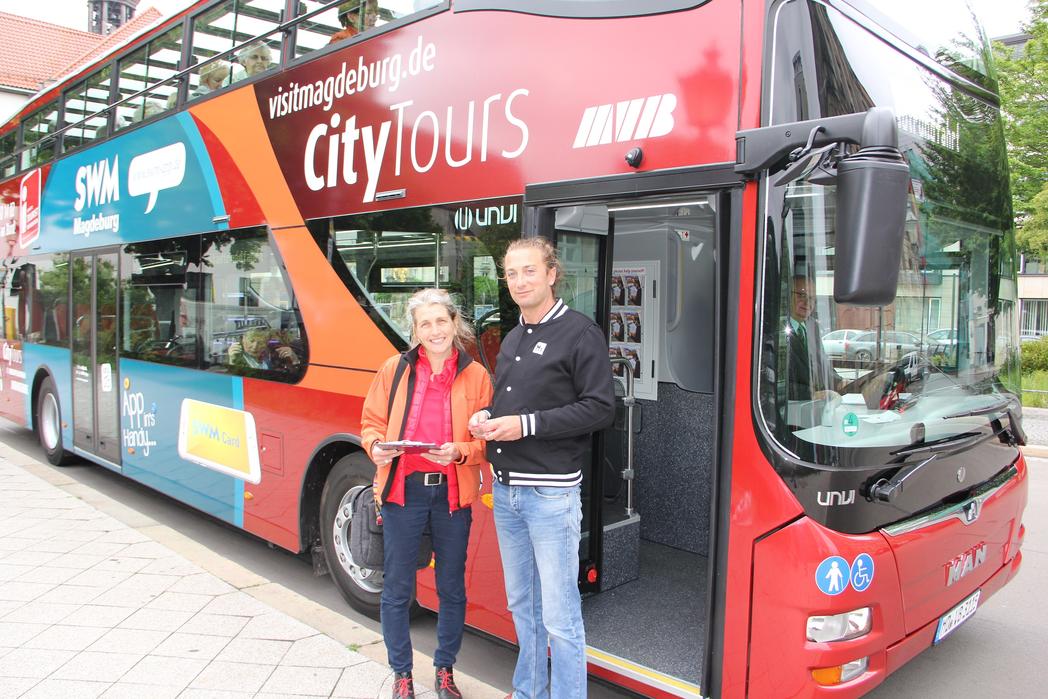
[1000, 17]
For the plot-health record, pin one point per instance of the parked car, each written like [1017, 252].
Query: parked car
[894, 344]
[944, 336]
[834, 343]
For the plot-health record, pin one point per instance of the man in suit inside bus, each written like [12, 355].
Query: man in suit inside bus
[811, 375]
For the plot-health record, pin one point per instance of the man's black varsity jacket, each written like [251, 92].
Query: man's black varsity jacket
[555, 375]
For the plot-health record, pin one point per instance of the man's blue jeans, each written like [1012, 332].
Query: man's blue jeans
[539, 530]
[402, 528]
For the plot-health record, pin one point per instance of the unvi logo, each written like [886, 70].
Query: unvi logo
[629, 120]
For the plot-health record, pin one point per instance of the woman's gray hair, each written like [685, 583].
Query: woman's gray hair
[464, 336]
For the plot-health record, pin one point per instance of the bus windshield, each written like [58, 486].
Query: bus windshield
[839, 379]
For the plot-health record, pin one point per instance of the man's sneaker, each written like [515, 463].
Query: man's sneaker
[446, 688]
[403, 687]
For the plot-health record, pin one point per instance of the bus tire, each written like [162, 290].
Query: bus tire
[360, 587]
[49, 424]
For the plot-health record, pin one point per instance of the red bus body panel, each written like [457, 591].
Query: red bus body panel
[907, 596]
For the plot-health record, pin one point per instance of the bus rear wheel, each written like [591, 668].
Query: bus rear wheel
[49, 424]
[361, 587]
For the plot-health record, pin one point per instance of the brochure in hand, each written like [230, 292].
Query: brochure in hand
[407, 446]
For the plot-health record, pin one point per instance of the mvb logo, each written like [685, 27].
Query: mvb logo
[630, 120]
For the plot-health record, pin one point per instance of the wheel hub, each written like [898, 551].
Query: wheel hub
[49, 427]
[365, 578]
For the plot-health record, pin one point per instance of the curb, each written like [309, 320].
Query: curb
[327, 621]
[1037, 450]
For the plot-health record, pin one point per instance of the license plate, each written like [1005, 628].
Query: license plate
[957, 616]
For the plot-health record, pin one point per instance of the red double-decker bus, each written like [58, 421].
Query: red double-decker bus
[791, 217]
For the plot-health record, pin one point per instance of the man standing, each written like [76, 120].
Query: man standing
[553, 390]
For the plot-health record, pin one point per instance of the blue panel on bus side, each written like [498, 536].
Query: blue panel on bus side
[56, 361]
[156, 181]
[183, 433]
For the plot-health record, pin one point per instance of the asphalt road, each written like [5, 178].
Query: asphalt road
[1000, 652]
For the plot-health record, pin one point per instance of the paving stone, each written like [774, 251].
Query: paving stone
[71, 594]
[49, 574]
[202, 584]
[99, 578]
[41, 613]
[123, 564]
[365, 680]
[59, 689]
[33, 662]
[63, 637]
[23, 591]
[232, 677]
[98, 615]
[322, 651]
[254, 650]
[302, 680]
[236, 603]
[168, 672]
[13, 635]
[276, 626]
[181, 601]
[191, 645]
[120, 640]
[97, 667]
[129, 690]
[215, 624]
[156, 620]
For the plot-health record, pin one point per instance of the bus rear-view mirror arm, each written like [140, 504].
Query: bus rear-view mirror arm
[872, 187]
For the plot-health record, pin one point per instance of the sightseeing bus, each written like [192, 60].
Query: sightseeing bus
[791, 217]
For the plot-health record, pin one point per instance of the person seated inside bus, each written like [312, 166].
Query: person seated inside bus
[262, 348]
[253, 59]
[212, 77]
[811, 375]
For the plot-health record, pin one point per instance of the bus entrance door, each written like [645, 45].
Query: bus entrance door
[96, 386]
[645, 270]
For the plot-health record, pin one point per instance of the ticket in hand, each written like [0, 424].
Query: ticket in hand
[407, 446]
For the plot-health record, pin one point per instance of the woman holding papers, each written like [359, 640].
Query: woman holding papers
[426, 395]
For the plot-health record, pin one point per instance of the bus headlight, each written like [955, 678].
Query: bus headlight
[839, 627]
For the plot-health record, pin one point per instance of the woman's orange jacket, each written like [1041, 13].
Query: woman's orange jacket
[470, 392]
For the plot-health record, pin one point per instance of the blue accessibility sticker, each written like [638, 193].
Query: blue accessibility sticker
[832, 575]
[862, 572]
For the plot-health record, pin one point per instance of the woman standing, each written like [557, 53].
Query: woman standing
[439, 389]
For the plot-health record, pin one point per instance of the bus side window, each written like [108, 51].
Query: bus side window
[159, 303]
[251, 324]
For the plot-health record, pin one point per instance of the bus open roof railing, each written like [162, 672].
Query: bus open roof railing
[55, 138]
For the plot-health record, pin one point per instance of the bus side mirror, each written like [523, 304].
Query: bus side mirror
[872, 189]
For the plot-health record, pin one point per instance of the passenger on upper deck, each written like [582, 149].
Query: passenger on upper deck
[349, 18]
[212, 77]
[254, 58]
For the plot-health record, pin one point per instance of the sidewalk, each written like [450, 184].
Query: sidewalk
[97, 599]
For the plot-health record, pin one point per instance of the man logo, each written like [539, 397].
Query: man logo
[971, 512]
[629, 120]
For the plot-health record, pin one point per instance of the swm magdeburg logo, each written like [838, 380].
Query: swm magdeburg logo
[629, 120]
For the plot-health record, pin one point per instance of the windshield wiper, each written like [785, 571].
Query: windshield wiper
[887, 489]
[1005, 405]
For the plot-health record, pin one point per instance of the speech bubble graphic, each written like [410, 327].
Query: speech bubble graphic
[156, 170]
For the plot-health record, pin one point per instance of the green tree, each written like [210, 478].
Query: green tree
[1024, 98]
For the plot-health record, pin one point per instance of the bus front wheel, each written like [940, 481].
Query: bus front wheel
[49, 424]
[361, 587]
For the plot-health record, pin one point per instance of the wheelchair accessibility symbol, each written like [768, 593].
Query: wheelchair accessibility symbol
[862, 572]
[832, 575]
